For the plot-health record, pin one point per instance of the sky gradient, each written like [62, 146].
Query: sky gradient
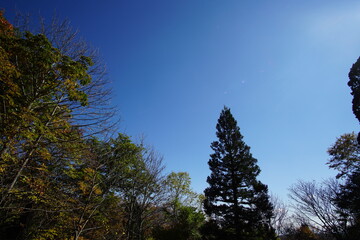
[280, 66]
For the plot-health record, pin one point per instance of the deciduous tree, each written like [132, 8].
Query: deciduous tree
[344, 155]
[314, 205]
[43, 92]
[182, 213]
[179, 192]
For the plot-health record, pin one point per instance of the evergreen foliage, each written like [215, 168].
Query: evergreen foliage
[354, 84]
[349, 201]
[235, 200]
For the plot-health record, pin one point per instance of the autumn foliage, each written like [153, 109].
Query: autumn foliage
[58, 180]
[6, 28]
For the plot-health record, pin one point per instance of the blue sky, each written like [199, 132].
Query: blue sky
[281, 66]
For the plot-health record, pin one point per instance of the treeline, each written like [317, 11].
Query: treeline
[329, 210]
[65, 175]
[60, 176]
[238, 206]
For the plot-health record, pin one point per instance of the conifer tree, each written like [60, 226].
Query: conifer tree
[236, 201]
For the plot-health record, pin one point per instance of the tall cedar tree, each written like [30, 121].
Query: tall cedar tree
[236, 201]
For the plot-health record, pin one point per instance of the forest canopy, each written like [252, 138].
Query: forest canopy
[67, 173]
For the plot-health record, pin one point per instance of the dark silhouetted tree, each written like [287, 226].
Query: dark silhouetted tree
[235, 200]
[349, 201]
[345, 158]
[354, 84]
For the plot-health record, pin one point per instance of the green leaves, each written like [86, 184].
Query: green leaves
[39, 145]
[344, 155]
[58, 182]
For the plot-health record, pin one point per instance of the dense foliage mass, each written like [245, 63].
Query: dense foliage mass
[58, 179]
[235, 200]
[354, 84]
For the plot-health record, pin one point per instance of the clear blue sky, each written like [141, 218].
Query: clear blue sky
[281, 66]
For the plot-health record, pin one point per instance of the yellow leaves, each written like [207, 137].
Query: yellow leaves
[89, 171]
[34, 198]
[39, 186]
[88, 189]
[35, 189]
[48, 234]
[83, 187]
[6, 157]
[82, 238]
[9, 87]
[44, 154]
[70, 84]
[89, 184]
[6, 28]
[344, 154]
[42, 168]
[6, 161]
[97, 190]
